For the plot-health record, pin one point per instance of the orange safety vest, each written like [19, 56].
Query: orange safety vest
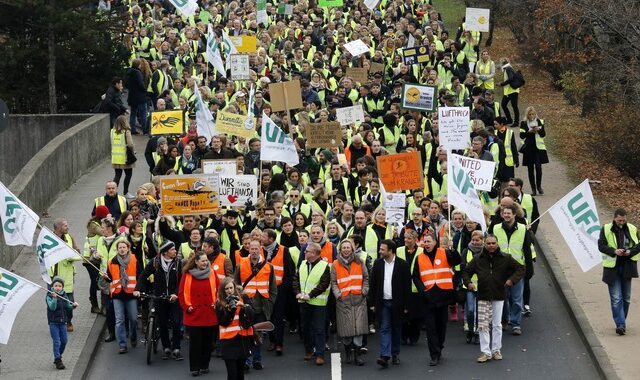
[439, 274]
[114, 270]
[187, 289]
[327, 252]
[278, 265]
[217, 265]
[259, 283]
[349, 281]
[229, 332]
[238, 257]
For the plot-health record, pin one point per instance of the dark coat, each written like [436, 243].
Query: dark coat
[628, 267]
[239, 346]
[530, 153]
[137, 90]
[400, 287]
[493, 270]
[113, 102]
[161, 287]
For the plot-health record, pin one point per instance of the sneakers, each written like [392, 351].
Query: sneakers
[123, 350]
[258, 366]
[177, 355]
[59, 364]
[372, 329]
[497, 355]
[517, 331]
[621, 331]
[483, 358]
[383, 361]
[166, 355]
[526, 311]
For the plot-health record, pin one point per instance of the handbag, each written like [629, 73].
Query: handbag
[131, 156]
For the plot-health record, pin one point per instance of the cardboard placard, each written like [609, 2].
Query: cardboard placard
[356, 47]
[234, 124]
[415, 55]
[395, 200]
[239, 64]
[477, 19]
[220, 167]
[376, 68]
[323, 135]
[293, 95]
[480, 171]
[394, 215]
[331, 3]
[453, 125]
[193, 194]
[244, 44]
[237, 190]
[402, 171]
[342, 160]
[358, 74]
[167, 122]
[350, 115]
[419, 97]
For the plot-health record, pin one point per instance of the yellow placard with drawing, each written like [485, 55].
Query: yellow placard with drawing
[167, 122]
[194, 194]
[235, 125]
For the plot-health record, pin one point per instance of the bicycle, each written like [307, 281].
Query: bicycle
[152, 332]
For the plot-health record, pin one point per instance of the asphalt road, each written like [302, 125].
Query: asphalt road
[550, 348]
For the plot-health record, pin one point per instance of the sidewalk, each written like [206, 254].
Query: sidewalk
[29, 352]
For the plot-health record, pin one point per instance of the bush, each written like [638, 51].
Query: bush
[574, 86]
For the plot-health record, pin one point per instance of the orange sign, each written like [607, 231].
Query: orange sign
[402, 171]
[193, 194]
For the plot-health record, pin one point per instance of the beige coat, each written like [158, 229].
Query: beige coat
[351, 311]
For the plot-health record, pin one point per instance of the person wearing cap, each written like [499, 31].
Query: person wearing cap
[57, 310]
[116, 203]
[166, 270]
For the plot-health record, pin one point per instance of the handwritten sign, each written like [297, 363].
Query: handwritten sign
[480, 171]
[419, 97]
[454, 127]
[193, 194]
[356, 47]
[395, 215]
[358, 74]
[399, 172]
[285, 95]
[323, 135]
[220, 167]
[350, 115]
[239, 64]
[415, 55]
[167, 122]
[376, 67]
[395, 200]
[237, 190]
[234, 124]
[477, 19]
[342, 160]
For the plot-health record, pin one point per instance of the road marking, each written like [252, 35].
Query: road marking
[336, 367]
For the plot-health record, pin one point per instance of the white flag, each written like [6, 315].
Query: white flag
[411, 41]
[51, 250]
[186, 7]
[14, 292]
[19, 222]
[213, 52]
[229, 48]
[275, 145]
[204, 118]
[462, 193]
[371, 4]
[577, 219]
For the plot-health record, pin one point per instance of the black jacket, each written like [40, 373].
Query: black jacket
[435, 297]
[400, 287]
[239, 346]
[113, 102]
[163, 284]
[629, 267]
[137, 89]
[493, 270]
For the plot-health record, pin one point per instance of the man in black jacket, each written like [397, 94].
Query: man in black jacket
[389, 288]
[494, 270]
[166, 270]
[113, 100]
[137, 98]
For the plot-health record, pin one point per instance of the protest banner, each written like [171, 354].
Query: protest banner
[480, 171]
[237, 190]
[220, 167]
[419, 97]
[239, 64]
[323, 135]
[235, 124]
[371, 4]
[285, 96]
[244, 44]
[167, 122]
[415, 55]
[342, 160]
[462, 193]
[350, 115]
[261, 12]
[193, 194]
[50, 250]
[356, 48]
[376, 68]
[358, 74]
[402, 171]
[477, 19]
[275, 145]
[394, 215]
[453, 123]
[331, 3]
[14, 292]
[395, 200]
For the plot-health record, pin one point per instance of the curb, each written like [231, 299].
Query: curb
[576, 313]
[83, 365]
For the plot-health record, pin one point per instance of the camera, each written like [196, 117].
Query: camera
[233, 301]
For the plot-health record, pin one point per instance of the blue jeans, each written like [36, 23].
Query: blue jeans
[470, 311]
[256, 350]
[125, 309]
[139, 113]
[59, 336]
[390, 331]
[620, 295]
[513, 303]
[313, 319]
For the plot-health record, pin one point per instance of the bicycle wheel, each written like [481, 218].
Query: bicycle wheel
[156, 339]
[150, 343]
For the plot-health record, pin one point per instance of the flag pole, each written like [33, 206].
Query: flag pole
[47, 290]
[538, 218]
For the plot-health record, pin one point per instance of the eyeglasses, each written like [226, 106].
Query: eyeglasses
[294, 196]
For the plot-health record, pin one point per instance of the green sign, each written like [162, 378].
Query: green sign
[331, 3]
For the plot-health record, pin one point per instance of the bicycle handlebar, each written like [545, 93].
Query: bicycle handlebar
[154, 297]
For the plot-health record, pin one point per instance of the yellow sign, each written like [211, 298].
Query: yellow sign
[244, 44]
[192, 194]
[167, 122]
[234, 124]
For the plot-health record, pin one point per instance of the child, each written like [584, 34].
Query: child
[57, 317]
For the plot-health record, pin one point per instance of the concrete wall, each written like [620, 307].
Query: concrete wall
[58, 164]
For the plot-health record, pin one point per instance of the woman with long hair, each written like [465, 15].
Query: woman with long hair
[534, 150]
[121, 140]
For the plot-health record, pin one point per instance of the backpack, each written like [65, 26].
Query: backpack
[517, 80]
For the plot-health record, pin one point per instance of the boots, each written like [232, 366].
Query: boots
[356, 357]
[348, 349]
[95, 309]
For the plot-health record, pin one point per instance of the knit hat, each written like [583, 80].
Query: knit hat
[166, 246]
[102, 211]
[327, 154]
[57, 279]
